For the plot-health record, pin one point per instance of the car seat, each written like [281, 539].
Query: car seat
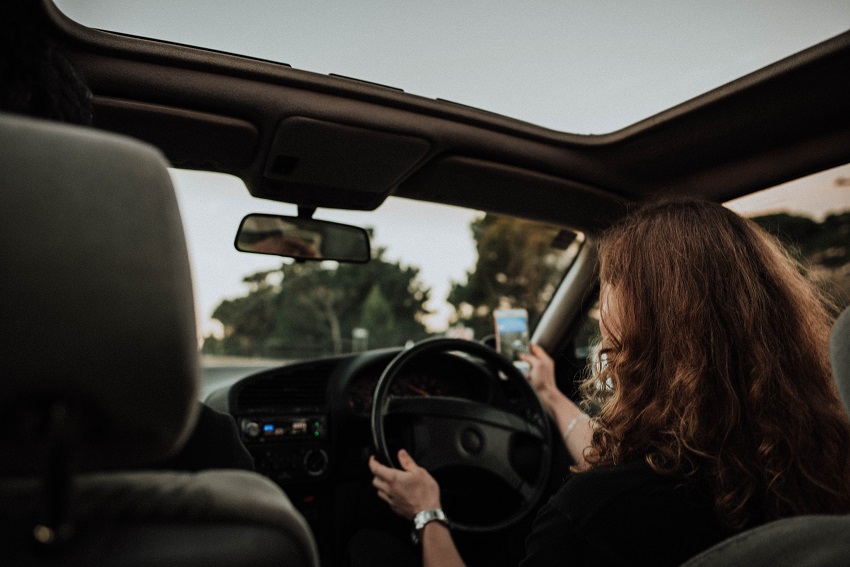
[98, 369]
[839, 356]
[801, 541]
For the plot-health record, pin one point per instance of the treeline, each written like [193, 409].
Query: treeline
[310, 309]
[823, 249]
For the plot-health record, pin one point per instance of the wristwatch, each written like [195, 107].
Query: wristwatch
[422, 519]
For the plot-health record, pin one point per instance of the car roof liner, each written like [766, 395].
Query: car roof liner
[329, 141]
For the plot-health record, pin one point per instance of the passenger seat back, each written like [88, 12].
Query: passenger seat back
[98, 370]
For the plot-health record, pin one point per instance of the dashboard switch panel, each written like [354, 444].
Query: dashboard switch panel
[287, 447]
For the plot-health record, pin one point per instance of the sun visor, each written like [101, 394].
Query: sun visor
[190, 139]
[506, 189]
[324, 164]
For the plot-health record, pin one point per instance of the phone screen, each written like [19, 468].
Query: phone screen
[511, 332]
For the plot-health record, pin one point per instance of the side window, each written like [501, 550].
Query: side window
[572, 364]
[811, 217]
[587, 336]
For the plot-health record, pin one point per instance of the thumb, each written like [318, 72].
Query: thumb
[406, 461]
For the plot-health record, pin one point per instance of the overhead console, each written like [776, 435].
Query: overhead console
[326, 164]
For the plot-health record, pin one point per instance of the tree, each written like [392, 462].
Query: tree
[378, 316]
[824, 243]
[245, 318]
[315, 306]
[823, 248]
[519, 264]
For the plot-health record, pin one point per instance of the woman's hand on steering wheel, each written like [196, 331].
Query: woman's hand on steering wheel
[407, 491]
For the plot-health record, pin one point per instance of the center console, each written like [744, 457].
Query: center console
[287, 448]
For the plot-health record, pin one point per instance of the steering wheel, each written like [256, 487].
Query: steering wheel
[454, 432]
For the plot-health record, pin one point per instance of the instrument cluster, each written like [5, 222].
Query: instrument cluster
[443, 380]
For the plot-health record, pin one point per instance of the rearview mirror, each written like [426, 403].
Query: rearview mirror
[302, 238]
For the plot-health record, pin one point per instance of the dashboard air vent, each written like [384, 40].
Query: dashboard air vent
[296, 386]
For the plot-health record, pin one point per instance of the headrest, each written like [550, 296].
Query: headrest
[96, 306]
[839, 356]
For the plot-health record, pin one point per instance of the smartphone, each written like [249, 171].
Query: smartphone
[511, 332]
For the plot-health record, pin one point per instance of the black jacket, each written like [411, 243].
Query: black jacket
[623, 515]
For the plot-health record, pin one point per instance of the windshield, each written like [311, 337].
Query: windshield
[435, 270]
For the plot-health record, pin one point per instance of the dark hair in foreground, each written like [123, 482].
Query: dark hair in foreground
[719, 365]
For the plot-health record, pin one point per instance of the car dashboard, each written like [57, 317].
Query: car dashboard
[307, 424]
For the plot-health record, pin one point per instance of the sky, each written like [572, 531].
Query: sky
[582, 67]
[814, 196]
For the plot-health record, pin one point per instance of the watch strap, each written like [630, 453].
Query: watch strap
[423, 518]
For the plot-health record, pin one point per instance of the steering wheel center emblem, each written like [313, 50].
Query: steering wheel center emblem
[471, 441]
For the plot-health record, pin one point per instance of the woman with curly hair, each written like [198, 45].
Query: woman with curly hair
[714, 405]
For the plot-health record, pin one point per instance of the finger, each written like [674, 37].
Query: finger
[533, 362]
[544, 357]
[378, 469]
[381, 484]
[537, 350]
[385, 497]
[406, 461]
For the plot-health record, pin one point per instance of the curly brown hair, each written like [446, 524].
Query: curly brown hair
[718, 366]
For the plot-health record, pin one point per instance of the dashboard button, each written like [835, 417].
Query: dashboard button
[250, 428]
[315, 462]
